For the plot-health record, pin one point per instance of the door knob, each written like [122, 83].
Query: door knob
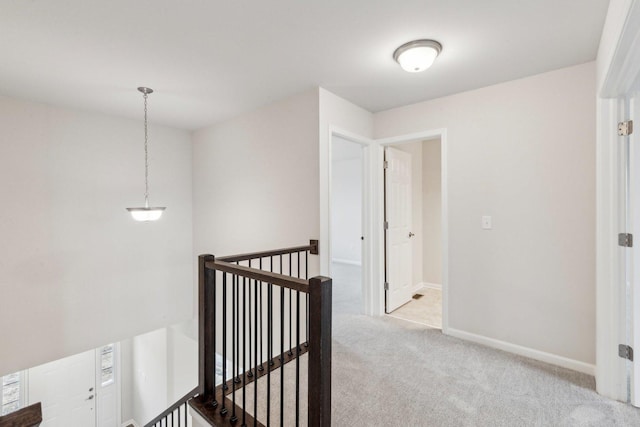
[90, 397]
[411, 234]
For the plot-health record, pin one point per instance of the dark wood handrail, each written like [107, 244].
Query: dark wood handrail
[173, 407]
[212, 402]
[312, 247]
[261, 275]
[31, 416]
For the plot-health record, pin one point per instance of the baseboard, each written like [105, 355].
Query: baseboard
[431, 285]
[531, 353]
[346, 261]
[130, 422]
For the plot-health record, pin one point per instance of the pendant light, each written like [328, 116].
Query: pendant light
[146, 213]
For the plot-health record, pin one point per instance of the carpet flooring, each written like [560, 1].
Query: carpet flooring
[389, 372]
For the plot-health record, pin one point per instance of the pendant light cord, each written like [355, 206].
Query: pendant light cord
[146, 156]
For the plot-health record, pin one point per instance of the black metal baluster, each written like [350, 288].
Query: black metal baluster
[236, 373]
[269, 352]
[184, 411]
[281, 355]
[261, 368]
[244, 354]
[215, 321]
[240, 293]
[250, 373]
[269, 343]
[290, 309]
[297, 358]
[224, 411]
[234, 366]
[255, 384]
[306, 306]
[270, 355]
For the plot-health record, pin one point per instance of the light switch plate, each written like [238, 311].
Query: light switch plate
[486, 223]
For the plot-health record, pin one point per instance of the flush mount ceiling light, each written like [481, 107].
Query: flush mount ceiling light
[146, 213]
[417, 55]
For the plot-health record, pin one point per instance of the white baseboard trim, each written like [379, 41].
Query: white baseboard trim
[130, 422]
[531, 353]
[346, 261]
[431, 285]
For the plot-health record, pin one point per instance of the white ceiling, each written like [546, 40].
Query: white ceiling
[209, 60]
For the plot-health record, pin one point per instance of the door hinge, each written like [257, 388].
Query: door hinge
[625, 128]
[625, 351]
[625, 239]
[386, 286]
[386, 164]
[386, 225]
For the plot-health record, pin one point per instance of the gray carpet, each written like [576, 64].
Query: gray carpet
[388, 372]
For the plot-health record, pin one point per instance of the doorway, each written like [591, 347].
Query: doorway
[79, 390]
[413, 231]
[373, 251]
[346, 225]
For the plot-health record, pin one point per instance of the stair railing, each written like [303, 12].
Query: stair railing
[257, 313]
[176, 415]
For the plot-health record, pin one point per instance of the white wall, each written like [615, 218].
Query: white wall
[158, 368]
[346, 201]
[335, 114]
[126, 380]
[150, 372]
[256, 179]
[182, 351]
[523, 152]
[76, 272]
[256, 182]
[432, 212]
[415, 150]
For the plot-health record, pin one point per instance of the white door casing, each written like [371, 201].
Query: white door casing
[66, 388]
[398, 229]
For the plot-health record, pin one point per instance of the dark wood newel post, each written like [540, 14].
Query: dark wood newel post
[320, 352]
[206, 326]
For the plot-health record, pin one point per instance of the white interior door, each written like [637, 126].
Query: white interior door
[633, 257]
[107, 386]
[66, 388]
[397, 181]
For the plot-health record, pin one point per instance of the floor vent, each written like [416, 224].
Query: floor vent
[417, 296]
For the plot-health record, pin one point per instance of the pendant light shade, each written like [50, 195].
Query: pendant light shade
[417, 55]
[146, 213]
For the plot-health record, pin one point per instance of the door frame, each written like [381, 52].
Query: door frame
[373, 213]
[620, 78]
[379, 165]
[325, 206]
